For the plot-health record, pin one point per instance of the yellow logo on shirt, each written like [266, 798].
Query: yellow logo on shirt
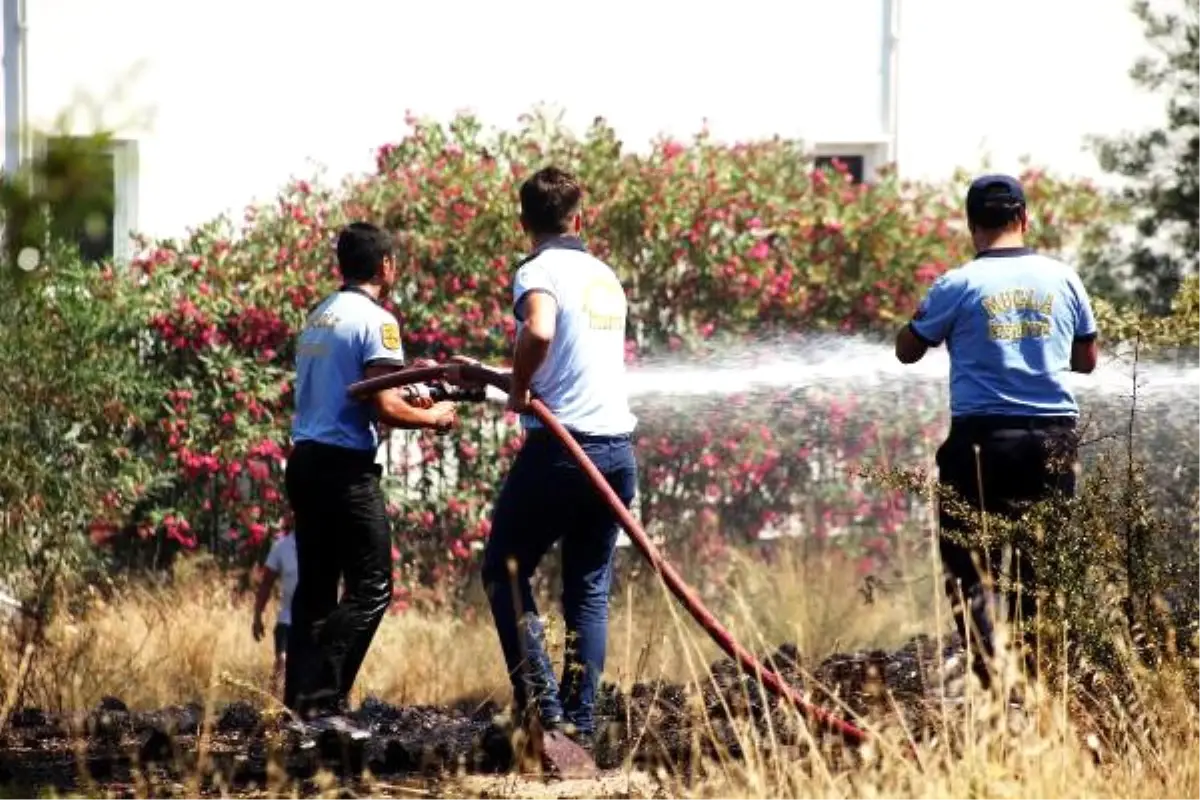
[605, 306]
[389, 334]
[1041, 306]
[1018, 300]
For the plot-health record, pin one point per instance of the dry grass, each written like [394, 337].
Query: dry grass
[192, 641]
[155, 646]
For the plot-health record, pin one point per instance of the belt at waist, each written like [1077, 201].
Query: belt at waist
[1001, 422]
[542, 434]
[334, 453]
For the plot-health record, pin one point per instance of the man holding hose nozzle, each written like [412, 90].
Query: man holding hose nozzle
[332, 479]
[570, 353]
[1014, 323]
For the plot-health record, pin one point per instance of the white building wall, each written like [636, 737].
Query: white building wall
[228, 98]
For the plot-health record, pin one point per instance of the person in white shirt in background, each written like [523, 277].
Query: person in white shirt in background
[280, 563]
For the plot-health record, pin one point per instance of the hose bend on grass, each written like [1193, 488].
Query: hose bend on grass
[675, 583]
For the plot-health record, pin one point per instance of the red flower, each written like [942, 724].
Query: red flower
[671, 149]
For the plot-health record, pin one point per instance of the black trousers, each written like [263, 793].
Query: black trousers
[1020, 461]
[341, 534]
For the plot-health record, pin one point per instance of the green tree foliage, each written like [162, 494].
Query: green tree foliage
[71, 448]
[62, 197]
[1163, 165]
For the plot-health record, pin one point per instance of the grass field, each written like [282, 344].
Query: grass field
[192, 641]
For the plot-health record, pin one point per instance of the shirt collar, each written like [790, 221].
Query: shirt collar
[1005, 252]
[563, 242]
[349, 287]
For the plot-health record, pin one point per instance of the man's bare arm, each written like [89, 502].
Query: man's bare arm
[910, 348]
[265, 587]
[540, 312]
[396, 410]
[1085, 355]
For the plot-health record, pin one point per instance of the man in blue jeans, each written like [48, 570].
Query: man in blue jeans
[570, 353]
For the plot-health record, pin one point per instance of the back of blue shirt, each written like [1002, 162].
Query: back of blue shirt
[1009, 319]
[342, 336]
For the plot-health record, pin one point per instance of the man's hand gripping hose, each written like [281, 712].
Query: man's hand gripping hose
[475, 377]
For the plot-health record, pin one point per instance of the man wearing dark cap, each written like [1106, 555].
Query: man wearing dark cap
[1014, 323]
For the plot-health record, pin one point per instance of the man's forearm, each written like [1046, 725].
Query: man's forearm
[396, 412]
[263, 595]
[909, 348]
[529, 354]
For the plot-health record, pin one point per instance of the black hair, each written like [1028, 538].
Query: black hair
[361, 249]
[549, 198]
[995, 209]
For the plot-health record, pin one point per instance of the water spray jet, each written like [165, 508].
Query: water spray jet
[481, 375]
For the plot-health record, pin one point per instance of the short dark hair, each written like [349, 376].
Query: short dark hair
[549, 198]
[995, 202]
[361, 249]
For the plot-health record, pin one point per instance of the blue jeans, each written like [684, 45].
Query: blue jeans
[547, 497]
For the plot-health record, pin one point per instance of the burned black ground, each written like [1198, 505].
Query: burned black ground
[115, 750]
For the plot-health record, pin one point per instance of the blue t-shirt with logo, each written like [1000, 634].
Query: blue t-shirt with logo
[342, 336]
[1009, 319]
[582, 381]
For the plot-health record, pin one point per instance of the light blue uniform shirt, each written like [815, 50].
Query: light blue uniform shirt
[342, 336]
[1009, 319]
[582, 381]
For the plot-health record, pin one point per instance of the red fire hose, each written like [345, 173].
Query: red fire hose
[683, 592]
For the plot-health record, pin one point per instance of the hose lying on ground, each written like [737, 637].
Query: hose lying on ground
[684, 593]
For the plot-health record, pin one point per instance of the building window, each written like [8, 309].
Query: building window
[862, 159]
[95, 203]
[81, 188]
[854, 165]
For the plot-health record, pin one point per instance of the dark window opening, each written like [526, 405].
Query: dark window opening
[855, 166]
[80, 185]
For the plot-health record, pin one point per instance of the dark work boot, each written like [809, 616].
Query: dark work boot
[326, 717]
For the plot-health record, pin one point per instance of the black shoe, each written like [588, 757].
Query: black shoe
[331, 725]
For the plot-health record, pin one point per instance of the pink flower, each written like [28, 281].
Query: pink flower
[760, 251]
[928, 272]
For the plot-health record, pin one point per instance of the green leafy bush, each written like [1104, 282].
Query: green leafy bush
[73, 455]
[716, 244]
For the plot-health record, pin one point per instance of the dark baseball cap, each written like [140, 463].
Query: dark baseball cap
[1003, 190]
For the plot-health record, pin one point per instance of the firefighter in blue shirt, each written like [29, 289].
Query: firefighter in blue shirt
[332, 477]
[1014, 323]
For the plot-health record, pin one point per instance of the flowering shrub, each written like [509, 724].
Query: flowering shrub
[71, 425]
[713, 242]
